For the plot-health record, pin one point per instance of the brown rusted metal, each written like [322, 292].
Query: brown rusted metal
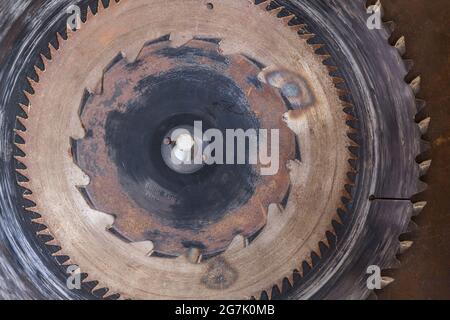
[105, 191]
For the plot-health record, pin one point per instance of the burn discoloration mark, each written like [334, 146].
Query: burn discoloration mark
[294, 87]
[219, 275]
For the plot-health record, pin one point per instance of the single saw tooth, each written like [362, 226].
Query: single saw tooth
[239, 242]
[332, 69]
[390, 27]
[101, 7]
[418, 207]
[264, 4]
[44, 60]
[38, 71]
[307, 36]
[44, 232]
[377, 7]
[415, 85]
[24, 184]
[276, 289]
[385, 281]
[146, 247]
[89, 14]
[317, 46]
[60, 39]
[21, 121]
[424, 125]
[133, 52]
[337, 80]
[288, 18]
[424, 146]
[420, 105]
[424, 167]
[178, 39]
[409, 65]
[52, 242]
[194, 255]
[297, 27]
[21, 134]
[25, 108]
[412, 227]
[405, 246]
[275, 12]
[394, 264]
[28, 95]
[52, 49]
[273, 212]
[39, 220]
[421, 186]
[32, 83]
[400, 45]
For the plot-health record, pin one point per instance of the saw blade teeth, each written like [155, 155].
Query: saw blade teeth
[239, 242]
[324, 57]
[307, 36]
[21, 121]
[178, 40]
[385, 281]
[297, 27]
[420, 105]
[147, 247]
[424, 167]
[287, 19]
[338, 218]
[332, 69]
[415, 85]
[38, 72]
[43, 232]
[28, 95]
[405, 246]
[53, 242]
[24, 184]
[390, 27]
[400, 45]
[273, 212]
[194, 255]
[421, 186]
[412, 227]
[418, 207]
[52, 49]
[25, 108]
[21, 134]
[32, 82]
[377, 7]
[409, 65]
[424, 125]
[89, 14]
[38, 220]
[424, 146]
[101, 7]
[264, 4]
[19, 158]
[59, 39]
[275, 12]
[317, 46]
[337, 80]
[44, 60]
[394, 264]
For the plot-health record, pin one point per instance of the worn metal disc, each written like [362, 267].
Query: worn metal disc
[88, 144]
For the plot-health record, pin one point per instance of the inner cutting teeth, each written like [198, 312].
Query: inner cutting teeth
[281, 218]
